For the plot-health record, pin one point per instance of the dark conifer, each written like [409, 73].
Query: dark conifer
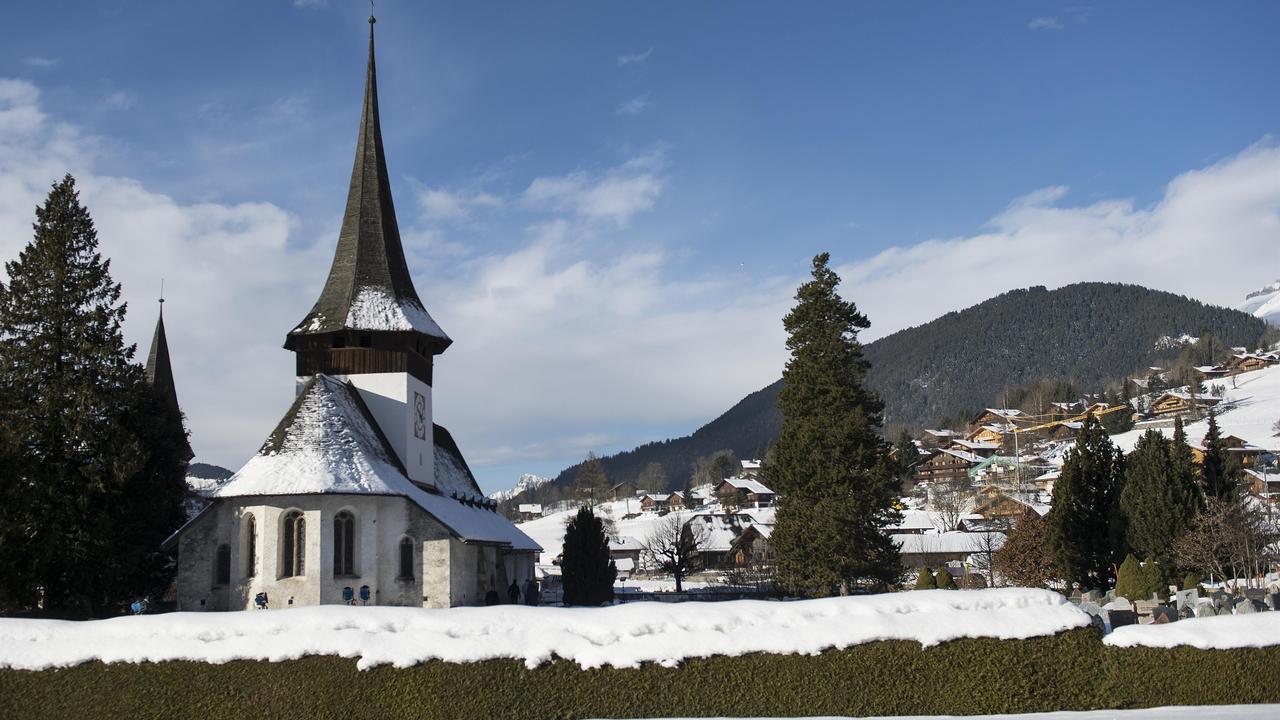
[1183, 471]
[100, 484]
[1086, 524]
[925, 580]
[1158, 505]
[1217, 468]
[586, 570]
[830, 466]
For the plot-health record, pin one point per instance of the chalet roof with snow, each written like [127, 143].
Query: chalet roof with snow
[328, 443]
[751, 486]
[369, 288]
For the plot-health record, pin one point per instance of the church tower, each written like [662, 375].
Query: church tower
[369, 327]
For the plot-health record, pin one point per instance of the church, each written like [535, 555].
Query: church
[357, 496]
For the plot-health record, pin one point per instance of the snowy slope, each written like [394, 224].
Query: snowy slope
[1248, 411]
[620, 635]
[1264, 303]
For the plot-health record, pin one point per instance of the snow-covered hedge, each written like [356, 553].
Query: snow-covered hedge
[620, 636]
[1222, 632]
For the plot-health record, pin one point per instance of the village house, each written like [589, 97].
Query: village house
[744, 492]
[938, 438]
[719, 530]
[980, 448]
[934, 550]
[661, 502]
[996, 416]
[1178, 402]
[751, 548]
[625, 490]
[357, 496]
[750, 469]
[625, 548]
[1246, 362]
[946, 466]
[529, 511]
[1264, 484]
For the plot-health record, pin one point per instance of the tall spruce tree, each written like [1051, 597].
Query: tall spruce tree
[829, 465]
[586, 570]
[1184, 472]
[1158, 501]
[1086, 524]
[1217, 468]
[100, 480]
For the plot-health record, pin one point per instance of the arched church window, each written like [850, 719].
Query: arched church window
[222, 565]
[344, 544]
[250, 547]
[406, 558]
[293, 544]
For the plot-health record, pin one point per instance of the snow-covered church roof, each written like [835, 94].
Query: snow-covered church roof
[328, 443]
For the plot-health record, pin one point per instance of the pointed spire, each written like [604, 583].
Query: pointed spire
[369, 287]
[159, 373]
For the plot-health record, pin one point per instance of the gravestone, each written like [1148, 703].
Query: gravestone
[1273, 599]
[1161, 614]
[1255, 594]
[1206, 609]
[1183, 598]
[1092, 596]
[1248, 607]
[1120, 603]
[1144, 607]
[1120, 618]
[1186, 612]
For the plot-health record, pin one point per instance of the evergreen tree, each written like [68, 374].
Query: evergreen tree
[907, 457]
[830, 466]
[1153, 581]
[1157, 507]
[1191, 580]
[592, 482]
[1216, 468]
[944, 580]
[586, 570]
[1086, 525]
[100, 481]
[1183, 470]
[1131, 583]
[925, 580]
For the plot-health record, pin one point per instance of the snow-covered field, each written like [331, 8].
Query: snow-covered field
[1249, 408]
[1222, 632]
[621, 635]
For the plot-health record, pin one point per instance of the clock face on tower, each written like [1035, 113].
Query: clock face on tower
[419, 416]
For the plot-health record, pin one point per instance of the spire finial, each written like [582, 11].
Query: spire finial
[161, 296]
[372, 19]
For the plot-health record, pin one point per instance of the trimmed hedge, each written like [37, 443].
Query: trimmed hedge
[1069, 671]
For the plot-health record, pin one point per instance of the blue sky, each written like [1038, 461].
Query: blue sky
[645, 182]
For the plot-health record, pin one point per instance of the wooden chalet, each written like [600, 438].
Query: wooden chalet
[625, 490]
[529, 511]
[946, 465]
[1247, 362]
[1263, 484]
[981, 448]
[661, 502]
[1176, 402]
[752, 547]
[996, 416]
[750, 469]
[993, 434]
[746, 492]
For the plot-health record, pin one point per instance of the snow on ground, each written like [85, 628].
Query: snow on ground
[1248, 411]
[1179, 712]
[1221, 632]
[619, 635]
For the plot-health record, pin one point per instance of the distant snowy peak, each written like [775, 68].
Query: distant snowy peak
[528, 481]
[1264, 303]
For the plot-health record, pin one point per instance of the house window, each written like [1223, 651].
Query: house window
[250, 547]
[406, 558]
[344, 556]
[222, 565]
[293, 544]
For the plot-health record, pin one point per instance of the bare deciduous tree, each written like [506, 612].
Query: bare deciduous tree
[1229, 540]
[948, 499]
[672, 545]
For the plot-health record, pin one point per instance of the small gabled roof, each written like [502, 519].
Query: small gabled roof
[753, 486]
[369, 287]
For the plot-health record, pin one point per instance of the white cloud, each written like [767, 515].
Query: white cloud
[1212, 237]
[37, 61]
[1045, 23]
[634, 106]
[615, 195]
[119, 100]
[440, 204]
[635, 58]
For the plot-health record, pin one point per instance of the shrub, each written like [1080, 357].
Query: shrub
[1191, 580]
[944, 580]
[925, 580]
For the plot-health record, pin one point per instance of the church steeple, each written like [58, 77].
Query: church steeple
[369, 299]
[160, 375]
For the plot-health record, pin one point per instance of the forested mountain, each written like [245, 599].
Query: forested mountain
[1089, 334]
